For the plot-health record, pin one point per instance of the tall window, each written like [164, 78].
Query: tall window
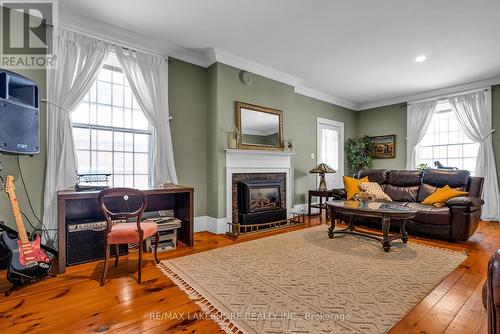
[446, 142]
[110, 131]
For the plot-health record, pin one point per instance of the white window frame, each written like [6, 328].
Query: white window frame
[420, 146]
[132, 131]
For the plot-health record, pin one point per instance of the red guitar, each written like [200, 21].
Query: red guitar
[28, 261]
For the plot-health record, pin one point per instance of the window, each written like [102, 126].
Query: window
[446, 142]
[111, 133]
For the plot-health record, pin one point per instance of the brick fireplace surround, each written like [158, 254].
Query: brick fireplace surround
[237, 177]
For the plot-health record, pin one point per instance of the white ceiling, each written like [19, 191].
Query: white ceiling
[356, 52]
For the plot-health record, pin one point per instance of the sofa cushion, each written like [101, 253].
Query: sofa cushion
[428, 214]
[404, 178]
[403, 185]
[401, 194]
[375, 175]
[438, 178]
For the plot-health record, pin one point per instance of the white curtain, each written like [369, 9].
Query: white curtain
[474, 114]
[79, 60]
[419, 116]
[148, 78]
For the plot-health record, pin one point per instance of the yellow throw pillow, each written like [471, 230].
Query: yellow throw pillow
[351, 185]
[441, 195]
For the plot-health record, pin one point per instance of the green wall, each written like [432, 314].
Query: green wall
[392, 120]
[387, 120]
[300, 114]
[188, 106]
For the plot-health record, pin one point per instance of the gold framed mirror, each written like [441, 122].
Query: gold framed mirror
[259, 128]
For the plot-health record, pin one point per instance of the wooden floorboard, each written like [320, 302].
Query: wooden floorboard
[75, 303]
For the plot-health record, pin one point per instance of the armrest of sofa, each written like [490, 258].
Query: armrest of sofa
[465, 216]
[339, 193]
[465, 201]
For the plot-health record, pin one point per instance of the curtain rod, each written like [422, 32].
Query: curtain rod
[114, 43]
[448, 95]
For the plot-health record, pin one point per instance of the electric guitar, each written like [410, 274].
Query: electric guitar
[28, 262]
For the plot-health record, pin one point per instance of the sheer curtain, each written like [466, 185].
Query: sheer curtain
[474, 114]
[148, 78]
[419, 116]
[79, 60]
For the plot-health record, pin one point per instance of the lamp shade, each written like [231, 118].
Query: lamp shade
[322, 168]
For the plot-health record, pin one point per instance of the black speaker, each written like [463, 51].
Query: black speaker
[19, 114]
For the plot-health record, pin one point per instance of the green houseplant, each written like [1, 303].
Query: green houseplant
[358, 152]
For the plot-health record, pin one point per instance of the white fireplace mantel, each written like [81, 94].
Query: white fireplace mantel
[254, 161]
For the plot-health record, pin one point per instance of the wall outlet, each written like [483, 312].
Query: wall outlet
[312, 155]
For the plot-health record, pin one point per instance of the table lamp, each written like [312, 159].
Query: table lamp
[322, 169]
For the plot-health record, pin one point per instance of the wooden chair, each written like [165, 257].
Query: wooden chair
[125, 204]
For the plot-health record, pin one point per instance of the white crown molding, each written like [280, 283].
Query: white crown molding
[242, 63]
[127, 38]
[302, 90]
[220, 56]
[432, 94]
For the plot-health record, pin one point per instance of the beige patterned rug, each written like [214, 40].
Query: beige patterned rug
[304, 282]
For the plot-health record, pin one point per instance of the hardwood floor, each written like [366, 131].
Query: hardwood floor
[75, 303]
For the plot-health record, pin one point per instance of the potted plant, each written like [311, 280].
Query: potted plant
[359, 152]
[423, 167]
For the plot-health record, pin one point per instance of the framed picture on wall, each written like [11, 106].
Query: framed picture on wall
[384, 147]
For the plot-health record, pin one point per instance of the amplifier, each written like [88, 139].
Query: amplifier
[85, 243]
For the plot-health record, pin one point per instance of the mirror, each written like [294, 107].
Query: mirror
[259, 128]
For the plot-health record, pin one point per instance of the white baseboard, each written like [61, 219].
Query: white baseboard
[210, 224]
[200, 223]
[304, 207]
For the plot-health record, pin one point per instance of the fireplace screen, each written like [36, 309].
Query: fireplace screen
[259, 195]
[264, 198]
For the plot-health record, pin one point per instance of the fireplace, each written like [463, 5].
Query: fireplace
[259, 195]
[260, 198]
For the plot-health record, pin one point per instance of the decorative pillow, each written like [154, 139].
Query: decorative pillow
[374, 189]
[441, 195]
[351, 185]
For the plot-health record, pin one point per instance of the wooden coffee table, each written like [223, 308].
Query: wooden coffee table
[384, 211]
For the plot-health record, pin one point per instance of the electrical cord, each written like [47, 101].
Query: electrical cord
[26, 190]
[43, 229]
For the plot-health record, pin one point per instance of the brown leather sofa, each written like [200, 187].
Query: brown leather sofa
[457, 220]
[491, 294]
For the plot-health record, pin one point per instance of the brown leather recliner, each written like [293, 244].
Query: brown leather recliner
[492, 294]
[457, 220]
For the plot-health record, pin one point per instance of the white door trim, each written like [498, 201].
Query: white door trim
[325, 121]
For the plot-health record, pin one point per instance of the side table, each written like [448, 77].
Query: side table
[321, 194]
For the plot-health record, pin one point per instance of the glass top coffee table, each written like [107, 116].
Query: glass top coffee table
[383, 210]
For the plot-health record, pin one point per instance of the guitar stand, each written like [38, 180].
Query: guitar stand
[16, 287]
[28, 280]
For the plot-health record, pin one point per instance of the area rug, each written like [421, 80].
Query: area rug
[304, 282]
